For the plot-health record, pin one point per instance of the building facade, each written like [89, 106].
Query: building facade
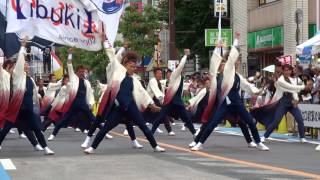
[268, 29]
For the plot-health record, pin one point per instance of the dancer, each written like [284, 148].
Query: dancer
[199, 104]
[55, 109]
[156, 92]
[80, 97]
[51, 92]
[231, 102]
[173, 100]
[287, 99]
[102, 109]
[125, 95]
[24, 98]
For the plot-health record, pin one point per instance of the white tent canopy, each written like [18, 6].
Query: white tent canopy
[310, 46]
[270, 68]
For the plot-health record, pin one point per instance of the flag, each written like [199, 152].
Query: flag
[65, 22]
[109, 12]
[3, 4]
[57, 66]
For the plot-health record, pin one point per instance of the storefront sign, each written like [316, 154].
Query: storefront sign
[211, 37]
[312, 30]
[267, 38]
[310, 114]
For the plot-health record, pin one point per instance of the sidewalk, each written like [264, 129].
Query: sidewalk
[274, 136]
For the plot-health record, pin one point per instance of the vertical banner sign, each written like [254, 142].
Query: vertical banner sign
[110, 12]
[221, 5]
[66, 22]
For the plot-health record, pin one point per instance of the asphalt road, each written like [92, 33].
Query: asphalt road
[224, 157]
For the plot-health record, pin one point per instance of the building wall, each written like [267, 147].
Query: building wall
[239, 16]
[265, 16]
[289, 8]
[248, 16]
[312, 13]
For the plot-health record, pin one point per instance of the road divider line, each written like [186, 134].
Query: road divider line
[231, 160]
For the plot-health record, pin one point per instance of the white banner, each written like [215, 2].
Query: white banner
[310, 114]
[65, 22]
[110, 12]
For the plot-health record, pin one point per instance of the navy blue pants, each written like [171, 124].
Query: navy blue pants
[221, 113]
[76, 107]
[242, 125]
[100, 119]
[29, 123]
[114, 118]
[281, 110]
[183, 114]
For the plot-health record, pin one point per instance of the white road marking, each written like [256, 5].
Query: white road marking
[7, 164]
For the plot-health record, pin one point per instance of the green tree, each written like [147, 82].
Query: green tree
[95, 61]
[140, 29]
[193, 16]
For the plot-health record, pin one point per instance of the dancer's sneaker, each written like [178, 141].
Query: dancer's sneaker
[262, 147]
[48, 151]
[303, 140]
[159, 131]
[197, 147]
[89, 150]
[192, 144]
[125, 132]
[38, 148]
[136, 144]
[159, 149]
[22, 136]
[183, 128]
[86, 142]
[171, 133]
[108, 136]
[51, 137]
[252, 145]
[12, 131]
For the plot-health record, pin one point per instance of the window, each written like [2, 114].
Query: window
[264, 2]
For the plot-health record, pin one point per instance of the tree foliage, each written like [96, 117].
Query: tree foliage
[95, 61]
[193, 16]
[140, 29]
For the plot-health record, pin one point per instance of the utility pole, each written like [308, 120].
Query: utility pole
[172, 36]
[318, 15]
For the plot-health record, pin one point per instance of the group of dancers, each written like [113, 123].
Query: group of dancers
[124, 100]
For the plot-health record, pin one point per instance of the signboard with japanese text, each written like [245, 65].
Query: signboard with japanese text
[211, 37]
[221, 5]
[310, 114]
